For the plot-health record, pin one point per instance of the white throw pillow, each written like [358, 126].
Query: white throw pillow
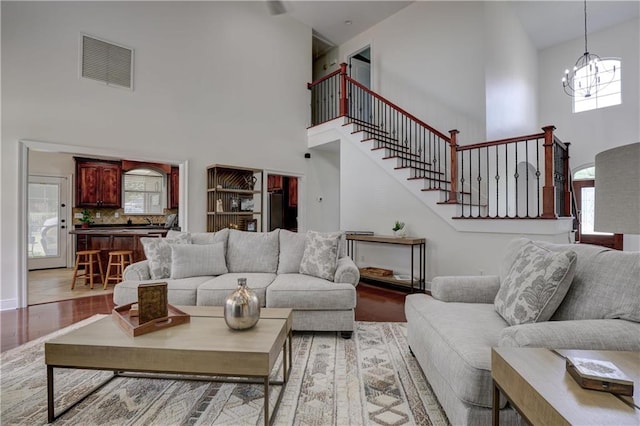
[536, 284]
[195, 260]
[158, 253]
[320, 256]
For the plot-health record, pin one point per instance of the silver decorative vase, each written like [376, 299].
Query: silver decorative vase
[242, 307]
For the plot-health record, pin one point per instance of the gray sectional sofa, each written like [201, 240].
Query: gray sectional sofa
[203, 269]
[451, 333]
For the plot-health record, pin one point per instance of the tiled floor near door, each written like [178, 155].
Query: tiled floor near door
[53, 285]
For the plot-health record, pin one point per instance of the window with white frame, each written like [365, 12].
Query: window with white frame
[608, 94]
[144, 192]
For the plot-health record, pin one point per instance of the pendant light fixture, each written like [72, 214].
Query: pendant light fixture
[590, 74]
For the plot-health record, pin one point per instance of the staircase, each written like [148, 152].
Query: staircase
[524, 178]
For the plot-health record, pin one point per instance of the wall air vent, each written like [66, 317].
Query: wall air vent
[107, 62]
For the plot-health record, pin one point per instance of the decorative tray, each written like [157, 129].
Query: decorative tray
[378, 272]
[131, 326]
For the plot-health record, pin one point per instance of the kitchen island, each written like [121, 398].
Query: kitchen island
[115, 238]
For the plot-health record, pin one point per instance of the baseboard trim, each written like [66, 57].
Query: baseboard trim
[7, 304]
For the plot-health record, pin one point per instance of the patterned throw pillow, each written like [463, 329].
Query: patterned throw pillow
[320, 256]
[535, 285]
[196, 260]
[158, 253]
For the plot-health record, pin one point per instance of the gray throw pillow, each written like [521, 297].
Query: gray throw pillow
[291, 251]
[535, 285]
[252, 251]
[158, 253]
[320, 256]
[195, 260]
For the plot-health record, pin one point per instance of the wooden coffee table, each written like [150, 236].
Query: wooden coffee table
[537, 385]
[205, 346]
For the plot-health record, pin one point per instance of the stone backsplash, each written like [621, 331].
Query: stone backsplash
[108, 217]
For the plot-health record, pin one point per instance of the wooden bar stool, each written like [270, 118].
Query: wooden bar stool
[87, 258]
[118, 259]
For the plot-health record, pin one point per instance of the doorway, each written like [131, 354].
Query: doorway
[360, 70]
[584, 191]
[282, 203]
[47, 219]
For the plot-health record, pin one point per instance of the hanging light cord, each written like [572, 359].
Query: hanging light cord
[585, 27]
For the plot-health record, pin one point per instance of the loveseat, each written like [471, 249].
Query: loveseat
[307, 272]
[594, 303]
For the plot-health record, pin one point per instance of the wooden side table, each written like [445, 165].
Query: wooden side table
[537, 385]
[412, 242]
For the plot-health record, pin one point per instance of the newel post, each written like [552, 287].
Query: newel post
[453, 194]
[567, 183]
[548, 190]
[344, 105]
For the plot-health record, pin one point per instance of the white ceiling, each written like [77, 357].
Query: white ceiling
[546, 22]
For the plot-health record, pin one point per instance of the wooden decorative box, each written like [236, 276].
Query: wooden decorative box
[378, 272]
[131, 324]
[599, 375]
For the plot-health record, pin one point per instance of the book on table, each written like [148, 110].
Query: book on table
[600, 375]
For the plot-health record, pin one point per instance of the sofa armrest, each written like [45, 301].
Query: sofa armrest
[598, 334]
[466, 289]
[138, 271]
[347, 272]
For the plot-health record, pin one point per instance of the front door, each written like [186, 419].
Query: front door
[47, 221]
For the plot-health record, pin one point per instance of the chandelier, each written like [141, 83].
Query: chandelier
[590, 74]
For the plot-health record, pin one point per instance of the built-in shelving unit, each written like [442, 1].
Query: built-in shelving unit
[234, 198]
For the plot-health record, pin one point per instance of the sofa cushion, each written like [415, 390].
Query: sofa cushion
[215, 291]
[220, 236]
[320, 256]
[194, 260]
[158, 253]
[536, 284]
[252, 251]
[305, 292]
[461, 336]
[180, 292]
[291, 251]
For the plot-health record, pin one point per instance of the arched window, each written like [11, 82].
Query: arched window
[609, 86]
[144, 192]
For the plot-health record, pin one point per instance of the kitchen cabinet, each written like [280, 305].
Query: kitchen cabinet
[107, 239]
[98, 183]
[234, 198]
[174, 184]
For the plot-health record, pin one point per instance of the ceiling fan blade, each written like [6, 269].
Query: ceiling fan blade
[276, 7]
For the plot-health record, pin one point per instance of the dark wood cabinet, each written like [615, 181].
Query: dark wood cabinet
[107, 241]
[174, 184]
[98, 183]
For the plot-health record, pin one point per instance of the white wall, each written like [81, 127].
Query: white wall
[593, 131]
[323, 200]
[420, 61]
[511, 75]
[215, 82]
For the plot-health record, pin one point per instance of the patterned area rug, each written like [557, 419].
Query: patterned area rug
[370, 379]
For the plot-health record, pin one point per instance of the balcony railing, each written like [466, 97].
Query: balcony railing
[523, 177]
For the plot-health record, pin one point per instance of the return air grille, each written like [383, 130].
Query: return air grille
[107, 62]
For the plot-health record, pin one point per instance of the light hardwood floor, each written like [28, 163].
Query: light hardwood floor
[53, 285]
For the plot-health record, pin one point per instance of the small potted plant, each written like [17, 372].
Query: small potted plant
[86, 218]
[398, 229]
